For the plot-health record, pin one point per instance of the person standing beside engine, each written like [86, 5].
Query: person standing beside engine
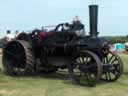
[9, 36]
[17, 33]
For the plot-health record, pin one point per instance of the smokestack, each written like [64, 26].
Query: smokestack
[93, 14]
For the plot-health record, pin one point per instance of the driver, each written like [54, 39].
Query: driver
[77, 26]
[59, 27]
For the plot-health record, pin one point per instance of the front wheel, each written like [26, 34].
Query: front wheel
[112, 67]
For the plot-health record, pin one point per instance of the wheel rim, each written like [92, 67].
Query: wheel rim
[112, 67]
[23, 36]
[87, 69]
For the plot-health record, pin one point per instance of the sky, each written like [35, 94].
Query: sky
[26, 15]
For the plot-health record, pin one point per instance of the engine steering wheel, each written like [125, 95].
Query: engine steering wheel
[61, 27]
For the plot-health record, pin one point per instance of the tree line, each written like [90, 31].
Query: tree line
[117, 39]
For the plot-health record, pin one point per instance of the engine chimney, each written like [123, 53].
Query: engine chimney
[93, 14]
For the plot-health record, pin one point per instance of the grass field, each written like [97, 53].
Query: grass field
[59, 85]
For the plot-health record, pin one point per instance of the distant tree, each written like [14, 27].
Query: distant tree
[117, 39]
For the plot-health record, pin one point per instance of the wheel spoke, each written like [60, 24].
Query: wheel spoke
[87, 77]
[86, 60]
[107, 60]
[79, 60]
[109, 75]
[80, 74]
[103, 59]
[113, 60]
[106, 75]
[110, 58]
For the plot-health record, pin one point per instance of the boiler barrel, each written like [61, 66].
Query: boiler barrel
[93, 14]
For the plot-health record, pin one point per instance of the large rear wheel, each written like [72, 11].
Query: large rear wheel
[18, 58]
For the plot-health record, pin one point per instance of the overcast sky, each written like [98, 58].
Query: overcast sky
[29, 14]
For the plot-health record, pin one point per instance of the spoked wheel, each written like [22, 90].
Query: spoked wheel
[88, 68]
[18, 58]
[112, 67]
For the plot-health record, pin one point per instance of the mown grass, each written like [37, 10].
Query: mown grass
[59, 85]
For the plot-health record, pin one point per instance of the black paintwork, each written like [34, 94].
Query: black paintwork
[66, 40]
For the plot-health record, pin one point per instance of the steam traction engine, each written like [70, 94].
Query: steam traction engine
[87, 58]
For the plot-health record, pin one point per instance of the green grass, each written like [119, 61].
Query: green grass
[58, 85]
